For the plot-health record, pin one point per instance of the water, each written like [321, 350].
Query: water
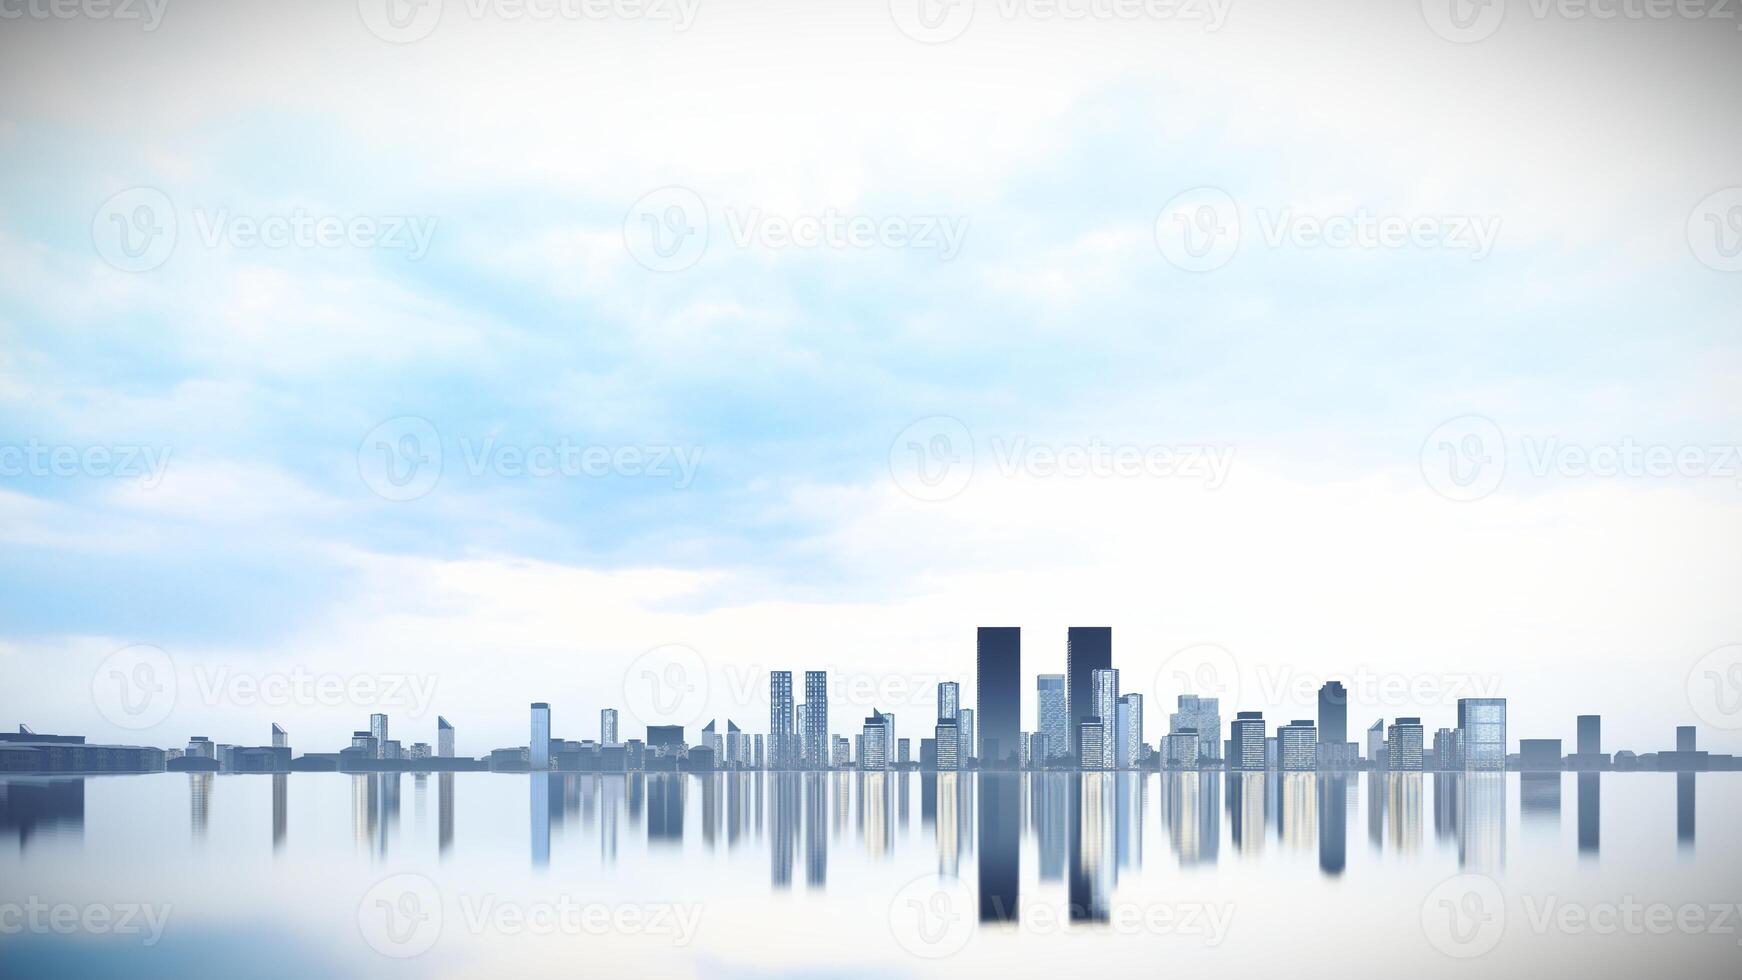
[871, 874]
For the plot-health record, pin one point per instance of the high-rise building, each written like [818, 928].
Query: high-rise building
[1087, 649]
[842, 756]
[1297, 745]
[1448, 755]
[1128, 748]
[1684, 738]
[816, 720]
[538, 750]
[1091, 743]
[1590, 735]
[874, 743]
[970, 748]
[1403, 745]
[280, 739]
[1202, 717]
[1333, 714]
[608, 726]
[712, 741]
[378, 729]
[949, 699]
[998, 695]
[1376, 743]
[780, 718]
[1104, 696]
[1182, 749]
[1482, 727]
[1054, 718]
[904, 751]
[1247, 731]
[444, 738]
[949, 745]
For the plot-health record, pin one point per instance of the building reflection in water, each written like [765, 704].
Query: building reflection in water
[1246, 811]
[1299, 803]
[1448, 789]
[816, 830]
[1092, 847]
[1684, 811]
[1590, 813]
[31, 806]
[783, 832]
[1000, 845]
[948, 823]
[199, 803]
[1191, 811]
[1052, 818]
[665, 808]
[1539, 800]
[1403, 810]
[538, 807]
[1377, 800]
[1333, 794]
[875, 813]
[445, 813]
[280, 810]
[1482, 821]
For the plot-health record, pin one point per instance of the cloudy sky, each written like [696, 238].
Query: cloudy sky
[441, 358]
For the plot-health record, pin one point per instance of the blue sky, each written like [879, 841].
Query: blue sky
[792, 373]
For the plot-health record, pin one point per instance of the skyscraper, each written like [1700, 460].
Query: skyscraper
[949, 743]
[998, 694]
[1247, 731]
[800, 739]
[1482, 724]
[444, 738]
[1404, 744]
[949, 699]
[538, 750]
[874, 743]
[1091, 743]
[1087, 649]
[378, 729]
[1296, 746]
[1104, 696]
[1128, 748]
[1054, 718]
[816, 721]
[608, 726]
[1333, 714]
[1202, 717]
[780, 730]
[970, 748]
[280, 739]
[1376, 743]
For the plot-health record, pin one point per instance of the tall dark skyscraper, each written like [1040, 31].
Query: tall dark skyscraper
[998, 692]
[780, 715]
[816, 718]
[1590, 735]
[1333, 714]
[1087, 649]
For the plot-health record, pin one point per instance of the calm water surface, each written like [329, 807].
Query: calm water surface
[851, 874]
